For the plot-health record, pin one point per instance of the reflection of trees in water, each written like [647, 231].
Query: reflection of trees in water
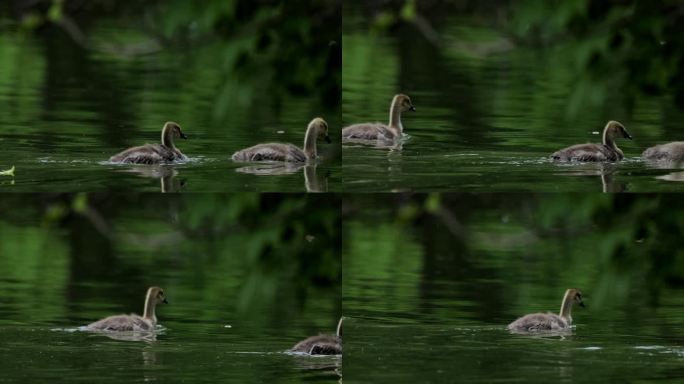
[618, 50]
[638, 237]
[286, 244]
[310, 66]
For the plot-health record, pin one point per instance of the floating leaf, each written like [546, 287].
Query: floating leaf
[9, 172]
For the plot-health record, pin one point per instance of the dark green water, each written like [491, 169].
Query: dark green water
[66, 110]
[237, 301]
[489, 112]
[429, 301]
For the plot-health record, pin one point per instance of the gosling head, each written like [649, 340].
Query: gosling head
[321, 128]
[174, 129]
[615, 129]
[404, 103]
[157, 294]
[576, 296]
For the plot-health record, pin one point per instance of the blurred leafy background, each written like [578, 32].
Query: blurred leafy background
[616, 248]
[618, 50]
[82, 80]
[264, 257]
[444, 275]
[291, 48]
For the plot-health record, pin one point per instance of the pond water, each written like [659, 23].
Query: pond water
[231, 316]
[428, 306]
[66, 110]
[489, 112]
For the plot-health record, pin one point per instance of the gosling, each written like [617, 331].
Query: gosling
[377, 131]
[133, 322]
[606, 151]
[670, 152]
[287, 152]
[536, 322]
[322, 344]
[163, 153]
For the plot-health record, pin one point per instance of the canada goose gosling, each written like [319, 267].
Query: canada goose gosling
[606, 151]
[285, 151]
[673, 152]
[322, 344]
[133, 322]
[550, 321]
[377, 131]
[155, 153]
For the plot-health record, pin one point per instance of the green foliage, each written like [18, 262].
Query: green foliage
[616, 51]
[615, 47]
[285, 246]
[610, 245]
[286, 49]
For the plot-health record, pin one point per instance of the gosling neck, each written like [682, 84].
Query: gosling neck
[609, 140]
[150, 305]
[310, 141]
[566, 307]
[395, 116]
[339, 327]
[167, 137]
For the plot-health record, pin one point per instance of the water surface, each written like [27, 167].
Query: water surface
[66, 110]
[234, 310]
[429, 298]
[489, 113]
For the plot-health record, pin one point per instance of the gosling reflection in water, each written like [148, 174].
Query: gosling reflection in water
[166, 175]
[312, 181]
[667, 164]
[146, 336]
[607, 173]
[392, 146]
[330, 363]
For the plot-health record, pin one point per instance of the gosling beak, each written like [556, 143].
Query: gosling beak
[412, 108]
[182, 135]
[327, 139]
[165, 302]
[627, 136]
[581, 303]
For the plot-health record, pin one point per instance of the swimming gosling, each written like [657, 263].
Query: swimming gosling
[536, 322]
[133, 322]
[377, 131]
[606, 151]
[322, 344]
[673, 152]
[163, 153]
[285, 151]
